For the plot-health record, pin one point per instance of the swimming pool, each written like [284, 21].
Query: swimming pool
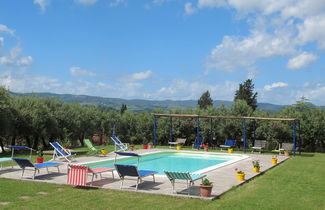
[194, 162]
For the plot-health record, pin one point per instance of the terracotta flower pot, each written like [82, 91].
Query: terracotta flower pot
[39, 160]
[287, 154]
[150, 146]
[206, 149]
[205, 191]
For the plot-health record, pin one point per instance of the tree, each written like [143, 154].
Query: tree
[245, 92]
[123, 108]
[205, 100]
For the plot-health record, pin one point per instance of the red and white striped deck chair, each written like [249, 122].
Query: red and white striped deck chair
[77, 174]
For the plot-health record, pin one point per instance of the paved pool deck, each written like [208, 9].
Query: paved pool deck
[223, 178]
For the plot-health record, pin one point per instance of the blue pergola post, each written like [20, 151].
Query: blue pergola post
[154, 130]
[198, 127]
[113, 132]
[244, 135]
[170, 130]
[294, 137]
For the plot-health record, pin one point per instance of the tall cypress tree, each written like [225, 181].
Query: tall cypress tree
[246, 92]
[205, 100]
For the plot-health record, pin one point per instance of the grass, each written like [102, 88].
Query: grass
[296, 184]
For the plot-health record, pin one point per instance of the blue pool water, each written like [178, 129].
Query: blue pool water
[170, 161]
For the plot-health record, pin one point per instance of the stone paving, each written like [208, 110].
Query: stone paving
[223, 178]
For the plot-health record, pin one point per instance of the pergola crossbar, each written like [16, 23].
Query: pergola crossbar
[197, 117]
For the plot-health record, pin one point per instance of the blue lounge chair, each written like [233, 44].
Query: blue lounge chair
[60, 152]
[228, 144]
[190, 178]
[119, 144]
[132, 170]
[25, 163]
[2, 160]
[16, 147]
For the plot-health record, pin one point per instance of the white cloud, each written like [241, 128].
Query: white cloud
[15, 59]
[158, 2]
[300, 61]
[142, 75]
[4, 28]
[189, 9]
[235, 53]
[275, 85]
[116, 3]
[180, 89]
[278, 28]
[86, 2]
[42, 4]
[313, 29]
[1, 41]
[211, 3]
[77, 71]
[289, 94]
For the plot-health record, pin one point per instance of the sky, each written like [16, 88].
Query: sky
[164, 49]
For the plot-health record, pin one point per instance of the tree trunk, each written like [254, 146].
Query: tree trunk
[44, 143]
[1, 145]
[13, 140]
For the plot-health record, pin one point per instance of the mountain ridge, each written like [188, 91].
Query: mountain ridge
[138, 105]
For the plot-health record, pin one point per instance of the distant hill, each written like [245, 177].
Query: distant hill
[137, 105]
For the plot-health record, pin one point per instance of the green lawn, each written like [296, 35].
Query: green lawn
[298, 183]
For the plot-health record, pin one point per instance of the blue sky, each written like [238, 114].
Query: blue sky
[164, 49]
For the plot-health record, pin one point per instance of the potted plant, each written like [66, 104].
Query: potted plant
[131, 147]
[240, 175]
[179, 146]
[256, 165]
[150, 145]
[40, 158]
[274, 160]
[287, 153]
[205, 147]
[206, 188]
[103, 152]
[145, 144]
[66, 144]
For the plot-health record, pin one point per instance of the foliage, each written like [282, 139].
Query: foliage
[205, 100]
[40, 152]
[256, 163]
[123, 108]
[34, 122]
[246, 92]
[206, 182]
[239, 171]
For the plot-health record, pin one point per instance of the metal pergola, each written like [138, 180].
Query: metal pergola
[197, 117]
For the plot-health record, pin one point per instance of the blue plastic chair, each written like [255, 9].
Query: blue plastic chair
[25, 163]
[228, 144]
